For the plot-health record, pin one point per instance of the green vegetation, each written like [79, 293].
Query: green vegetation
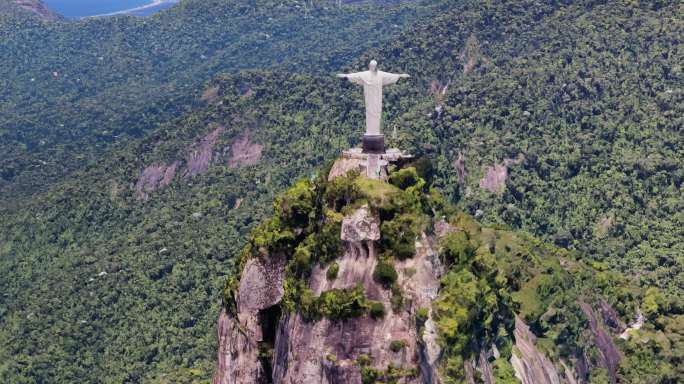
[377, 192]
[457, 249]
[398, 236]
[391, 375]
[342, 191]
[376, 309]
[230, 294]
[422, 315]
[654, 302]
[337, 304]
[333, 269]
[588, 92]
[505, 273]
[370, 375]
[654, 353]
[397, 299]
[404, 178]
[363, 360]
[72, 89]
[167, 258]
[397, 345]
[384, 273]
[602, 165]
[305, 227]
[493, 275]
[503, 372]
[471, 310]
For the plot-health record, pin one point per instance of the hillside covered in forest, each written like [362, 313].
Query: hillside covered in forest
[73, 88]
[556, 121]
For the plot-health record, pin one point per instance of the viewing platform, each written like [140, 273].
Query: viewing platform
[373, 165]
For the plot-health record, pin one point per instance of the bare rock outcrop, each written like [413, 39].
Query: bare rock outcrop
[531, 366]
[149, 180]
[237, 354]
[196, 161]
[609, 353]
[261, 287]
[344, 165]
[325, 351]
[471, 55]
[460, 167]
[153, 177]
[38, 8]
[244, 152]
[635, 326]
[611, 318]
[494, 180]
[261, 284]
[360, 226]
[373, 166]
[442, 228]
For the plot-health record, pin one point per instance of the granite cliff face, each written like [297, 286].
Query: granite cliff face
[38, 9]
[532, 366]
[345, 284]
[329, 350]
[261, 287]
[326, 351]
[198, 157]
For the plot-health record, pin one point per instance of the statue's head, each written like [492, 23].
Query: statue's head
[373, 65]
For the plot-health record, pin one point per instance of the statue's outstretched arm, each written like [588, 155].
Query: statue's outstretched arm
[391, 78]
[356, 78]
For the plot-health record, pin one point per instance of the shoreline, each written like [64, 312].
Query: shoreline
[153, 4]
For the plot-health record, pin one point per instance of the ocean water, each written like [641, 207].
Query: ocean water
[74, 9]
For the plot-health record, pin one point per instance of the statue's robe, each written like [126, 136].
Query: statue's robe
[372, 82]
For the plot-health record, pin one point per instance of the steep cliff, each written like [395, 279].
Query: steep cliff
[365, 329]
[362, 280]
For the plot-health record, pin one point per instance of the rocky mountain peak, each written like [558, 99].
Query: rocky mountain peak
[367, 323]
[366, 275]
[38, 9]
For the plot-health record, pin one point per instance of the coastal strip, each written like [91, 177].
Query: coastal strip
[153, 4]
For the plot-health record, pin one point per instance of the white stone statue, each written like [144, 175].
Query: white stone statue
[373, 81]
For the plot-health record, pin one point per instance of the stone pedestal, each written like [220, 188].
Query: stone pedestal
[374, 144]
[372, 165]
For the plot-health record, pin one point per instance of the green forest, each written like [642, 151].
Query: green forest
[72, 89]
[553, 123]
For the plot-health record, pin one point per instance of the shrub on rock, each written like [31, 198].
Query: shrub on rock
[331, 273]
[376, 310]
[385, 273]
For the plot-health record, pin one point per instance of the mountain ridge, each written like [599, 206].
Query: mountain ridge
[130, 74]
[35, 8]
[166, 258]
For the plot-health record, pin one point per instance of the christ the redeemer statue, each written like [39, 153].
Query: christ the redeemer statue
[373, 81]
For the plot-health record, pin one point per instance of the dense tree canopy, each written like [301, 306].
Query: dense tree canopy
[558, 118]
[71, 89]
